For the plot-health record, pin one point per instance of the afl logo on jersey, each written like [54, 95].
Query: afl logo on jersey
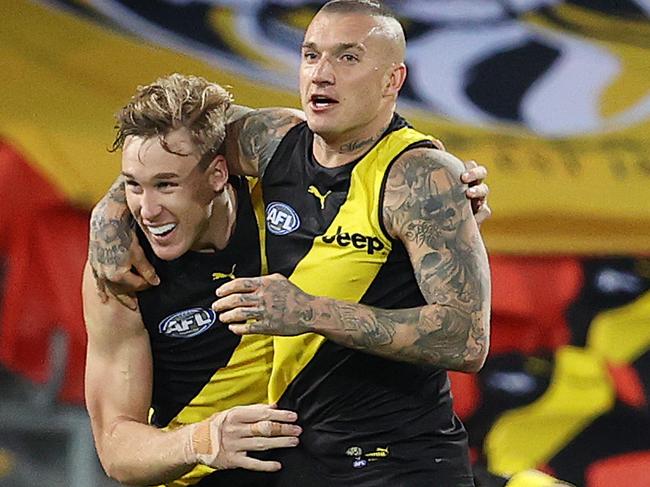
[187, 323]
[281, 219]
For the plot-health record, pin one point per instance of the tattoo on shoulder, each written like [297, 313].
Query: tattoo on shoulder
[424, 199]
[235, 112]
[261, 134]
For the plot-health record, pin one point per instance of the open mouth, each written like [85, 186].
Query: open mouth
[162, 230]
[321, 101]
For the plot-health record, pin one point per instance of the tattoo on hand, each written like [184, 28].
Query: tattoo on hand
[289, 311]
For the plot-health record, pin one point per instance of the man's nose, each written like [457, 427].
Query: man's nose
[149, 205]
[323, 72]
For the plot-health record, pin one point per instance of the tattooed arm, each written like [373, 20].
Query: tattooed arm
[113, 249]
[252, 140]
[425, 207]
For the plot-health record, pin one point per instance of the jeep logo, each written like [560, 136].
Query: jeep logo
[187, 323]
[358, 241]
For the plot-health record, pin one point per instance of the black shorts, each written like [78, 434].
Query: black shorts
[410, 464]
[300, 469]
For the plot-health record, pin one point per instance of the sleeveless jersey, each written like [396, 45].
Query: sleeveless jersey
[199, 366]
[324, 231]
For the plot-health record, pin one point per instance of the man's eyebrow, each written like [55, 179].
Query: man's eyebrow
[165, 175]
[338, 48]
[160, 175]
[344, 46]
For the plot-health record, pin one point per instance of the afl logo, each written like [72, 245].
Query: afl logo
[188, 323]
[281, 219]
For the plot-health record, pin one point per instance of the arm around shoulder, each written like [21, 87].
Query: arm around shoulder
[252, 139]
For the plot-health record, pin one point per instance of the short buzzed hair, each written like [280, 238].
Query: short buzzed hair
[370, 7]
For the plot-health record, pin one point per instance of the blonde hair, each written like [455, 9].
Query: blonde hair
[172, 102]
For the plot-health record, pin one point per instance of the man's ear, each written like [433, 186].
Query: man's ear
[217, 173]
[396, 79]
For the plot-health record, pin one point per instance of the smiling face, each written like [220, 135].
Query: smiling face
[170, 193]
[351, 72]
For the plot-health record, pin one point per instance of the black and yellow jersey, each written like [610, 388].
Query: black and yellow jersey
[199, 366]
[324, 231]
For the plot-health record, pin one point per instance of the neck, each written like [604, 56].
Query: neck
[222, 220]
[336, 151]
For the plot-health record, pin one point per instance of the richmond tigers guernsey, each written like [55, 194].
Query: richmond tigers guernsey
[366, 420]
[199, 366]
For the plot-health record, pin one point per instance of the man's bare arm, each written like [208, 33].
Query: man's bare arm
[252, 140]
[113, 249]
[118, 387]
[252, 136]
[425, 207]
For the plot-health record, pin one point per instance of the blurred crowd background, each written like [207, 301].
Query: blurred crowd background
[552, 96]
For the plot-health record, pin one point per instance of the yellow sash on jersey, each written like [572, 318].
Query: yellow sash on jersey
[349, 271]
[242, 381]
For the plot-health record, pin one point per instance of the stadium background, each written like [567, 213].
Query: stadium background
[552, 96]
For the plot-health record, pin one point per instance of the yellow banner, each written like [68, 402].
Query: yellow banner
[568, 174]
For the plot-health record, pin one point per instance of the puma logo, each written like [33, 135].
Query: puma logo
[321, 197]
[221, 275]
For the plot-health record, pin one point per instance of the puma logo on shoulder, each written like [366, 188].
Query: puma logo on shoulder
[321, 197]
[222, 275]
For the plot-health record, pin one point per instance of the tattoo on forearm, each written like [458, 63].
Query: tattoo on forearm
[116, 193]
[433, 333]
[363, 328]
[110, 238]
